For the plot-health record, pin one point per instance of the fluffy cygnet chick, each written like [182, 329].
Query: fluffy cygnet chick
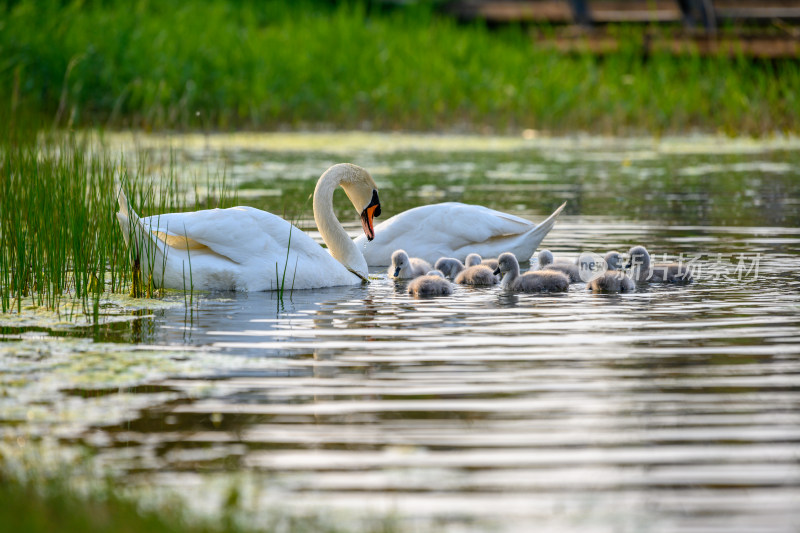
[475, 260]
[477, 275]
[404, 267]
[431, 284]
[611, 281]
[547, 262]
[545, 257]
[449, 266]
[472, 260]
[538, 281]
[491, 263]
[643, 270]
[613, 261]
[585, 261]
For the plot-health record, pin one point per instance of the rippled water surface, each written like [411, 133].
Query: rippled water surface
[675, 408]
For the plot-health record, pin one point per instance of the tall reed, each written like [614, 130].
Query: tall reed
[59, 236]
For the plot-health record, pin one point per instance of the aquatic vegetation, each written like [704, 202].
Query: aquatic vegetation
[60, 244]
[47, 487]
[70, 313]
[224, 65]
[54, 506]
[28, 509]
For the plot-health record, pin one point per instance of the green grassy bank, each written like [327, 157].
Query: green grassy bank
[224, 64]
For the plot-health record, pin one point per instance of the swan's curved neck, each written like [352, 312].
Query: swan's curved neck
[510, 277]
[341, 247]
[641, 266]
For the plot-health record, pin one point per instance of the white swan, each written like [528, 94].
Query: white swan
[454, 230]
[246, 249]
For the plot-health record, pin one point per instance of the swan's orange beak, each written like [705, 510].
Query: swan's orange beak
[372, 210]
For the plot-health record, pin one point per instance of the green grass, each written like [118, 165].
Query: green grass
[224, 64]
[59, 237]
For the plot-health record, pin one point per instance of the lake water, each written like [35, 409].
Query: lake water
[674, 408]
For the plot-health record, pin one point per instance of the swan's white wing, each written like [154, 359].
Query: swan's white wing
[240, 248]
[237, 233]
[453, 230]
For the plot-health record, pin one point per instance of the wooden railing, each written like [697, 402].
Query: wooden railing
[705, 13]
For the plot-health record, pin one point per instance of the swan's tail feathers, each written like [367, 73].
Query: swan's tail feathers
[125, 207]
[144, 245]
[123, 202]
[127, 217]
[534, 237]
[124, 225]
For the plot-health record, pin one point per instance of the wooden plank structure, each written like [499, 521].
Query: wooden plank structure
[761, 28]
[732, 44]
[605, 11]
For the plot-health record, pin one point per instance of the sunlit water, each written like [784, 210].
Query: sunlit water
[675, 408]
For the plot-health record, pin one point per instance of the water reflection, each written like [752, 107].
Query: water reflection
[671, 408]
[686, 395]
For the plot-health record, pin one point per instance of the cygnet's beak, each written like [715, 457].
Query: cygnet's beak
[497, 271]
[630, 263]
[396, 271]
[372, 210]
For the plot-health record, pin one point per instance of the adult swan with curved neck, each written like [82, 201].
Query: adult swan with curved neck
[454, 229]
[246, 249]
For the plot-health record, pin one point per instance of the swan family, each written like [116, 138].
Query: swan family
[246, 249]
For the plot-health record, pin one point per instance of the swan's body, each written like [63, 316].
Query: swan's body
[246, 249]
[569, 269]
[453, 230]
[449, 266]
[644, 271]
[611, 281]
[431, 284]
[538, 281]
[404, 267]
